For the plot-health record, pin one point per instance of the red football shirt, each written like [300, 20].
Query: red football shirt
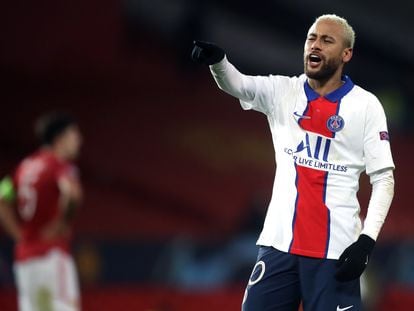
[38, 195]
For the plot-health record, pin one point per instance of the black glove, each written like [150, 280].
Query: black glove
[354, 259]
[206, 53]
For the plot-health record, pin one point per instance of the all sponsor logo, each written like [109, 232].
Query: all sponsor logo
[315, 154]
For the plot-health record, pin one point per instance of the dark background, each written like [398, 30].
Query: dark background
[177, 177]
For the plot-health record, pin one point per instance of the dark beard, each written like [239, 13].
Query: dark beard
[326, 72]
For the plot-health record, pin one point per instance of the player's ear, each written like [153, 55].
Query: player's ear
[347, 54]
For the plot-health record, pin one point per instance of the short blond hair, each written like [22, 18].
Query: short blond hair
[348, 30]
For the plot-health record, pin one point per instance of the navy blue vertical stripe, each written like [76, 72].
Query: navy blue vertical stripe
[308, 149]
[326, 150]
[318, 147]
[304, 113]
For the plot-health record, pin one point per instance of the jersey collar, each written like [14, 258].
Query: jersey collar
[335, 95]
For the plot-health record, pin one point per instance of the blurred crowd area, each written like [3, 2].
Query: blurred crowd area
[177, 177]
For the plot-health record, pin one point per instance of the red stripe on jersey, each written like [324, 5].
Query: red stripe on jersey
[319, 111]
[311, 220]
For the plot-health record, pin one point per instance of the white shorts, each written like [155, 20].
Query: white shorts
[48, 282]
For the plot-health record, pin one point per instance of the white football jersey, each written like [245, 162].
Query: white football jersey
[322, 144]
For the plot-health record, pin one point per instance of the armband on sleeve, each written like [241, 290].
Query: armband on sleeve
[7, 191]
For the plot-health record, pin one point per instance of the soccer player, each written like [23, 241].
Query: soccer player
[37, 204]
[326, 131]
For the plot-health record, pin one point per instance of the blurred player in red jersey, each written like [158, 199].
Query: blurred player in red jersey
[45, 191]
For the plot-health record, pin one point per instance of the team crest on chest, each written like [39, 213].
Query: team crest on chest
[335, 123]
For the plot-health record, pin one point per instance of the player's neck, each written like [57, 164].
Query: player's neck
[324, 87]
[56, 151]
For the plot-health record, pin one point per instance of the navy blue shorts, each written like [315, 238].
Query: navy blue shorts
[280, 281]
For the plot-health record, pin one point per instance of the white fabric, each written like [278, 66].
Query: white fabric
[380, 202]
[48, 283]
[354, 149]
[230, 80]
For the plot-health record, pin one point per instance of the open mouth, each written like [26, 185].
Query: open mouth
[314, 60]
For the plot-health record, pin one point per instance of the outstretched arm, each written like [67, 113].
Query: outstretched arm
[232, 81]
[227, 77]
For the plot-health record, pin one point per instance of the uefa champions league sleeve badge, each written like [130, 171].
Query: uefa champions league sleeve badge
[335, 123]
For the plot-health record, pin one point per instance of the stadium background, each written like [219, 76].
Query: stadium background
[177, 177]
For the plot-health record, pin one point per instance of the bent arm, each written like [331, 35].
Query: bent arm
[232, 81]
[70, 196]
[381, 197]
